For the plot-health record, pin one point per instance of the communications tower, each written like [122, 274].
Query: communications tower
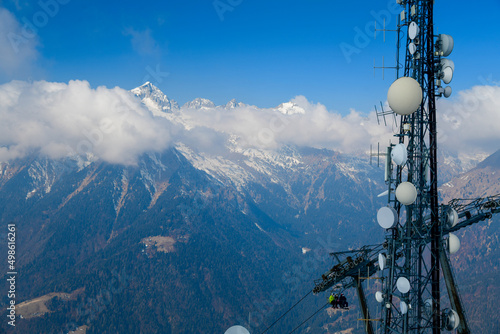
[418, 237]
[411, 296]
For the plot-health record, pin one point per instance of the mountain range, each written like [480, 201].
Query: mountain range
[202, 236]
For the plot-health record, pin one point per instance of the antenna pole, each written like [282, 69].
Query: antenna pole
[434, 205]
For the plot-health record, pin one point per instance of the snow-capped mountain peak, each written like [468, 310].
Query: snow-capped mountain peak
[147, 86]
[154, 98]
[233, 104]
[199, 103]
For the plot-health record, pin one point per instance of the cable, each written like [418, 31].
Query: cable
[301, 299]
[303, 322]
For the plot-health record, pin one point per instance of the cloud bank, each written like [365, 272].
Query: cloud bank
[315, 126]
[470, 122]
[61, 120]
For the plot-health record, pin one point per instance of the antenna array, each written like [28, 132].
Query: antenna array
[418, 230]
[411, 293]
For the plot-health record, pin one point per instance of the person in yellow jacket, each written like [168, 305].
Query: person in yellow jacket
[333, 300]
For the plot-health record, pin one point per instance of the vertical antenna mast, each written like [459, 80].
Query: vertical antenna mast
[409, 258]
[411, 295]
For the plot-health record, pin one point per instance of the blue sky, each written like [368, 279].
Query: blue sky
[259, 52]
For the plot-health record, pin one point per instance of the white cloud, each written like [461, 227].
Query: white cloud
[18, 46]
[470, 122]
[63, 119]
[316, 127]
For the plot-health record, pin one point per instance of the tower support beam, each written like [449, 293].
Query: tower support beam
[364, 306]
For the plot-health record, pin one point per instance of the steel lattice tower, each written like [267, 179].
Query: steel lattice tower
[419, 235]
[413, 242]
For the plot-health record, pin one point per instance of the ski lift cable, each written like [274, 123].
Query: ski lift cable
[297, 303]
[303, 322]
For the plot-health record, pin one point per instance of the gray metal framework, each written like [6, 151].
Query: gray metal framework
[417, 234]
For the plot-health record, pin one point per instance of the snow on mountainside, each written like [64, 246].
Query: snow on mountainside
[240, 165]
[154, 99]
[199, 103]
[233, 104]
[481, 181]
[205, 104]
[452, 164]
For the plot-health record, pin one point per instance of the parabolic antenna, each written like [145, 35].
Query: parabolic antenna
[447, 91]
[451, 217]
[451, 320]
[379, 296]
[237, 330]
[399, 154]
[406, 193]
[447, 63]
[403, 306]
[387, 217]
[381, 261]
[413, 30]
[445, 44]
[385, 193]
[453, 243]
[412, 48]
[404, 96]
[403, 285]
[446, 75]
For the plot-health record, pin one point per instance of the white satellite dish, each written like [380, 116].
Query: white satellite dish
[447, 91]
[451, 217]
[237, 330]
[387, 217]
[447, 63]
[445, 44]
[399, 154]
[413, 30]
[412, 48]
[404, 96]
[379, 296]
[406, 193]
[385, 193]
[403, 285]
[451, 320]
[453, 243]
[403, 306]
[446, 75]
[381, 261]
